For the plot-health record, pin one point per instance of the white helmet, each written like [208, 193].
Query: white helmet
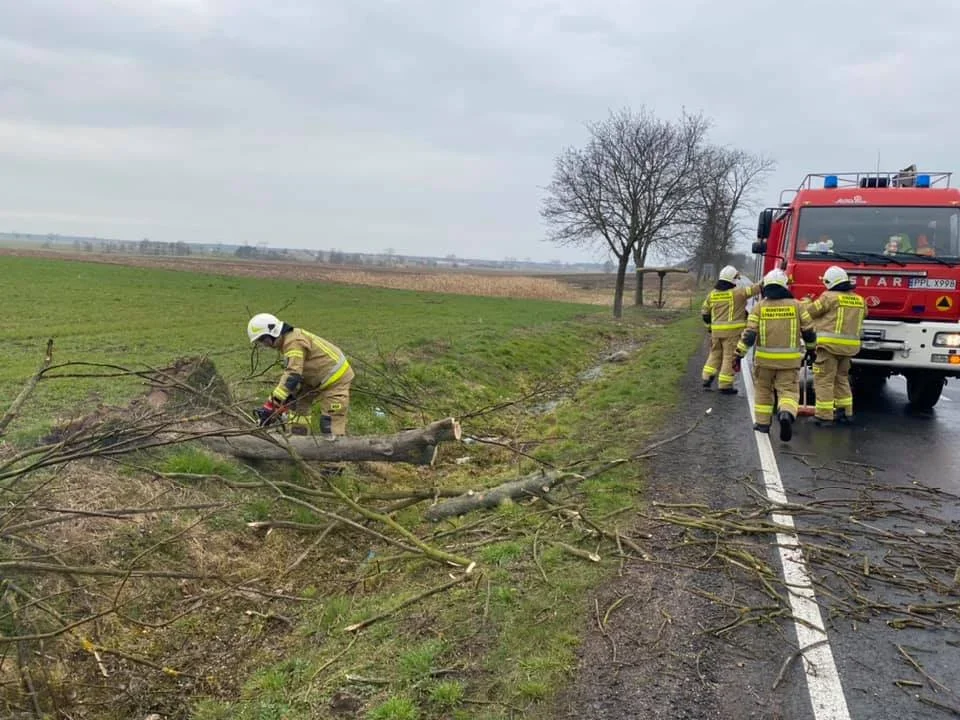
[263, 324]
[729, 274]
[834, 276]
[775, 277]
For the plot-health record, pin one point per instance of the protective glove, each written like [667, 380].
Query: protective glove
[810, 357]
[736, 363]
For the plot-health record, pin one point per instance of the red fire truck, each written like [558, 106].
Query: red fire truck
[897, 235]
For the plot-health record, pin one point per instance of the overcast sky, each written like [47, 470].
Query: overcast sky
[431, 126]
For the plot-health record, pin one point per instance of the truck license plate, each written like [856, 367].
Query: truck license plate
[933, 283]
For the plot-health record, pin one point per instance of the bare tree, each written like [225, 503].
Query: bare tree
[626, 187]
[727, 179]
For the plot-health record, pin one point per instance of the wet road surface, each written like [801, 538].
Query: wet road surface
[874, 509]
[878, 514]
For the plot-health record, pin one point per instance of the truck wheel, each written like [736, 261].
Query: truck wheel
[923, 389]
[866, 386]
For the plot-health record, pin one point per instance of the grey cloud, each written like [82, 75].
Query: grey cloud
[423, 125]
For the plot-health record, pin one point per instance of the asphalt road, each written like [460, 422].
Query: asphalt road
[882, 539]
[875, 508]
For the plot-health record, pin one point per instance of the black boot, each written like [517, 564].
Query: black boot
[708, 382]
[326, 428]
[729, 391]
[820, 422]
[786, 425]
[840, 416]
[764, 428]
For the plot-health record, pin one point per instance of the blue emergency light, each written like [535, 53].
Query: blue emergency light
[923, 181]
[830, 182]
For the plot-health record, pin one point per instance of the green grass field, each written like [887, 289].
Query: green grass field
[496, 647]
[139, 317]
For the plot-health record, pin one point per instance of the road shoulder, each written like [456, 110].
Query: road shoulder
[681, 635]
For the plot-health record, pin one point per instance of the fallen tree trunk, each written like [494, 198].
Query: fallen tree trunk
[417, 446]
[536, 484]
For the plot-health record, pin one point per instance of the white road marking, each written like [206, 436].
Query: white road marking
[823, 680]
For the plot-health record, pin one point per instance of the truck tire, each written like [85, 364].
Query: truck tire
[923, 389]
[866, 386]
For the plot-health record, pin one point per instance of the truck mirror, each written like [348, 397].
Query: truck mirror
[763, 224]
[759, 247]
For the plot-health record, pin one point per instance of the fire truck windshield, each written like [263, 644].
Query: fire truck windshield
[911, 234]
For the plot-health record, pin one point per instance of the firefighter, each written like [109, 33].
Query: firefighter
[314, 371]
[779, 327]
[838, 316]
[725, 315]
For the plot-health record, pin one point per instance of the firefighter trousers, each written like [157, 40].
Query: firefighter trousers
[334, 402]
[786, 383]
[721, 359]
[831, 383]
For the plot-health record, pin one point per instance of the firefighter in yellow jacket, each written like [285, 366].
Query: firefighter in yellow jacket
[724, 312]
[780, 328]
[314, 371]
[838, 316]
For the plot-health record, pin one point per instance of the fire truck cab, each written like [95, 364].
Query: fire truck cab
[897, 235]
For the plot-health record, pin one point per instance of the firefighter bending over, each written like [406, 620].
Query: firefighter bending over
[838, 316]
[780, 328]
[724, 312]
[314, 371]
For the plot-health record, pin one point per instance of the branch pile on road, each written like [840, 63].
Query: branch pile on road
[876, 551]
[869, 546]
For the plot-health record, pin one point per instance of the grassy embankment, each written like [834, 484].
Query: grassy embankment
[483, 649]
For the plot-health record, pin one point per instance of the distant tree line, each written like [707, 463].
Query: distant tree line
[131, 247]
[645, 186]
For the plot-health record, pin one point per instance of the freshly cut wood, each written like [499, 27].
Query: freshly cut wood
[417, 446]
[535, 484]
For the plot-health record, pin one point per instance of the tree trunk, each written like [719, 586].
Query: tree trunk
[417, 446]
[622, 263]
[640, 260]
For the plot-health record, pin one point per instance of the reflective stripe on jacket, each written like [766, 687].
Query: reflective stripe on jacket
[777, 327]
[838, 318]
[728, 310]
[318, 362]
